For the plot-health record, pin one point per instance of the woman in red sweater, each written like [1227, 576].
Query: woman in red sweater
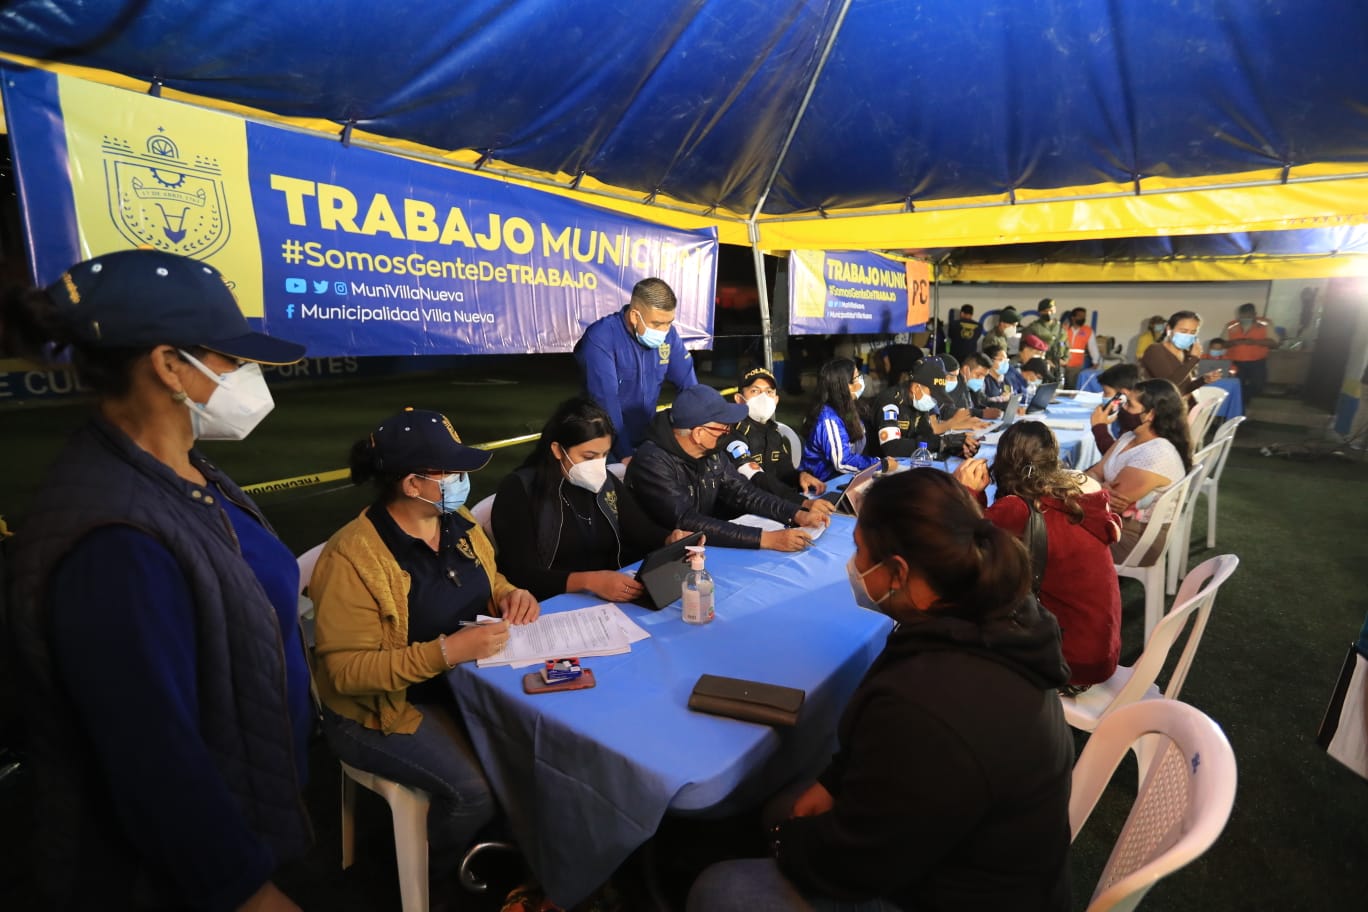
[1079, 585]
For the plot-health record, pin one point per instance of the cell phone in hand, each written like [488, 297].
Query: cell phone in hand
[1115, 404]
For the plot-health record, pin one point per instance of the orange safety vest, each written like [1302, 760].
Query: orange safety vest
[1078, 337]
[1234, 332]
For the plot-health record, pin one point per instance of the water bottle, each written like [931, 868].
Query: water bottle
[697, 589]
[922, 458]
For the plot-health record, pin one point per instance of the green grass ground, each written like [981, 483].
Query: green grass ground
[1297, 838]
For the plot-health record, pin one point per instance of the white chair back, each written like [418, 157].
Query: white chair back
[1163, 517]
[1228, 428]
[1182, 804]
[795, 442]
[1210, 487]
[1199, 417]
[1208, 393]
[1181, 532]
[484, 515]
[306, 561]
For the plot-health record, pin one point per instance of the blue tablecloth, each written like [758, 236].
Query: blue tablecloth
[1233, 404]
[586, 776]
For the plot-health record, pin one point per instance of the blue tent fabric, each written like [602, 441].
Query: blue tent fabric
[939, 99]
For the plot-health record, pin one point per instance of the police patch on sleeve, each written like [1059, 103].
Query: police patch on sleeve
[889, 433]
[738, 451]
[890, 412]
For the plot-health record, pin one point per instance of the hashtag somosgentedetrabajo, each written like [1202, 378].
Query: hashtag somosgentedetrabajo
[292, 251]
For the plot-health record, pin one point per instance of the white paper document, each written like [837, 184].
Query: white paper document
[773, 525]
[1060, 424]
[596, 630]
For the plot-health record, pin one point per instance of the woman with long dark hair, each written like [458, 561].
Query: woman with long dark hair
[950, 787]
[1146, 461]
[563, 522]
[834, 434]
[1176, 355]
[1078, 584]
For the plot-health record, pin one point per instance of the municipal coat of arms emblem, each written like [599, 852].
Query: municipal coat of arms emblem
[163, 198]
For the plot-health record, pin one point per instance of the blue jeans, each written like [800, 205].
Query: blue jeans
[436, 758]
[757, 885]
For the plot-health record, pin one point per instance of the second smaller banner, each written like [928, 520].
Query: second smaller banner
[856, 292]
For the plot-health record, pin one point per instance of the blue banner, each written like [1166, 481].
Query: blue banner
[856, 293]
[348, 250]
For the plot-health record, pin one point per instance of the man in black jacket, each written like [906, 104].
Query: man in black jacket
[761, 452]
[970, 391]
[907, 414]
[680, 475]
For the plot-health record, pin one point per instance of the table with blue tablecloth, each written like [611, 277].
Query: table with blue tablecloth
[1231, 407]
[586, 776]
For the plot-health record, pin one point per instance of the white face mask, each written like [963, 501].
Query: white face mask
[762, 407]
[860, 591]
[590, 474]
[858, 390]
[235, 408]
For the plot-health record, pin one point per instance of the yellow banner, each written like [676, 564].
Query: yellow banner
[170, 176]
[1232, 269]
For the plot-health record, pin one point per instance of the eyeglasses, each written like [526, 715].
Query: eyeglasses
[716, 431]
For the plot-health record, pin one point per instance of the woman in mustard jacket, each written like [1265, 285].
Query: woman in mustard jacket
[391, 590]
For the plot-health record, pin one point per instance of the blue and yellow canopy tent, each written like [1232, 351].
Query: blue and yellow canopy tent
[816, 124]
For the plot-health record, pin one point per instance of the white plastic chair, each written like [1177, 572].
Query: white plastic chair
[409, 810]
[1131, 684]
[1209, 399]
[1211, 486]
[1182, 804]
[306, 562]
[484, 515]
[795, 442]
[1163, 518]
[1181, 532]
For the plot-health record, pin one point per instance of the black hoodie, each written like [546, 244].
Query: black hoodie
[679, 491]
[951, 783]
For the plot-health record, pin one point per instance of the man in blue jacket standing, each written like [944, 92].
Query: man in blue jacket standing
[626, 357]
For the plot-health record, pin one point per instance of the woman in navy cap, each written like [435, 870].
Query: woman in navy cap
[154, 608]
[397, 592]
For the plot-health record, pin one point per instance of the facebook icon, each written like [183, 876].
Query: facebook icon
[289, 311]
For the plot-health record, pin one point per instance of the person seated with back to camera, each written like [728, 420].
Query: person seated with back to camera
[396, 592]
[970, 392]
[835, 439]
[907, 413]
[682, 478]
[1146, 462]
[950, 786]
[563, 522]
[1079, 584]
[760, 451]
[1117, 380]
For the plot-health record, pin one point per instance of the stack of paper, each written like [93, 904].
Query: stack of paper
[593, 631]
[772, 525]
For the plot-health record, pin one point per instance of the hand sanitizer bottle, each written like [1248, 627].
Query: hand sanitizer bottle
[697, 590]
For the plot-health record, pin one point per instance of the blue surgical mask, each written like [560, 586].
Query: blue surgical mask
[651, 338]
[1184, 341]
[951, 385]
[455, 489]
[1217, 353]
[975, 384]
[924, 404]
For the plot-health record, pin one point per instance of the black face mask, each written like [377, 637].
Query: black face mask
[1129, 421]
[1080, 321]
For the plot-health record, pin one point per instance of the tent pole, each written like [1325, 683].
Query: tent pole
[766, 326]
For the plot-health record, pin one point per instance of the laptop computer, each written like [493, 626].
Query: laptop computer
[662, 573]
[1044, 395]
[1009, 414]
[847, 497]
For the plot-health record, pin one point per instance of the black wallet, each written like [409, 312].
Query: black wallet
[749, 701]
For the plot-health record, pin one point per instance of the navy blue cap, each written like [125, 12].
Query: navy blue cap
[417, 440]
[142, 298]
[701, 404]
[930, 373]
